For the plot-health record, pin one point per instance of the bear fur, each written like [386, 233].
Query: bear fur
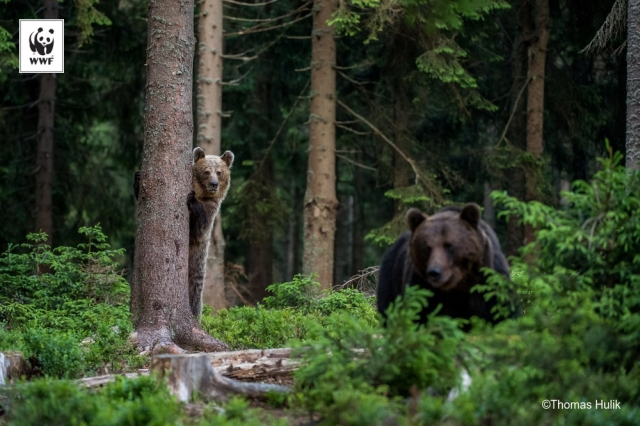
[211, 177]
[443, 253]
[210, 180]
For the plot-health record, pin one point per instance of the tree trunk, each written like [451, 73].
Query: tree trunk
[44, 153]
[320, 203]
[159, 295]
[209, 125]
[517, 131]
[259, 250]
[537, 31]
[293, 239]
[633, 85]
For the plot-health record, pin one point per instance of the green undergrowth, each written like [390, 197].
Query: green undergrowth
[572, 357]
[67, 308]
[290, 315]
[125, 402]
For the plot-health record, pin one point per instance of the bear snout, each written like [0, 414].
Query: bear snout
[213, 186]
[434, 273]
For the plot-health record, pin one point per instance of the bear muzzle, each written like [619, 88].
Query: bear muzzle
[212, 186]
[440, 279]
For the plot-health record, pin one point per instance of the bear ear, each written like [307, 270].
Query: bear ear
[414, 218]
[198, 154]
[471, 214]
[227, 157]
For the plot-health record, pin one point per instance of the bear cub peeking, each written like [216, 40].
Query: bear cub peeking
[443, 253]
[211, 176]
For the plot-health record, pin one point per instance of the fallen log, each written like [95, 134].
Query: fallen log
[256, 365]
[187, 374]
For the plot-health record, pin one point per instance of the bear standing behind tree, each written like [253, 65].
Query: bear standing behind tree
[443, 253]
[210, 180]
[211, 176]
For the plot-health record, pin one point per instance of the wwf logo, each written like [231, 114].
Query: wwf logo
[41, 41]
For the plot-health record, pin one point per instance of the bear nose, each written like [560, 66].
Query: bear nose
[434, 272]
[214, 185]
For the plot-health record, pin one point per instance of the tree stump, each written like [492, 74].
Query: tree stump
[12, 366]
[189, 374]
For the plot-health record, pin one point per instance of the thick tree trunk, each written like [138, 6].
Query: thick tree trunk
[320, 203]
[160, 300]
[633, 85]
[537, 32]
[209, 125]
[44, 151]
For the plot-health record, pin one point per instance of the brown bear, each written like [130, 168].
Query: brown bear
[443, 253]
[211, 176]
[210, 180]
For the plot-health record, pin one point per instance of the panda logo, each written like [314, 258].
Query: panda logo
[41, 42]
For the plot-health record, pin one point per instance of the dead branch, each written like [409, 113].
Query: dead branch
[513, 111]
[250, 4]
[614, 26]
[377, 131]
[259, 30]
[364, 280]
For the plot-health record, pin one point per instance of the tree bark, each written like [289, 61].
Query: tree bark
[633, 85]
[259, 250]
[159, 295]
[517, 130]
[44, 150]
[537, 32]
[320, 202]
[209, 125]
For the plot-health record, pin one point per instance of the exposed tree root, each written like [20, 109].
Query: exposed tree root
[196, 339]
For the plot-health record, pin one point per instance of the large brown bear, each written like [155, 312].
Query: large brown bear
[443, 253]
[211, 177]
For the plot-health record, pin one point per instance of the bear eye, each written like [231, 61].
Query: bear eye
[207, 172]
[449, 248]
[219, 173]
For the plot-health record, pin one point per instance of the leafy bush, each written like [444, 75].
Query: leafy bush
[258, 328]
[53, 299]
[287, 315]
[128, 402]
[143, 401]
[351, 366]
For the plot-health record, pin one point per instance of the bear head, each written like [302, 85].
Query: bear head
[449, 248]
[211, 174]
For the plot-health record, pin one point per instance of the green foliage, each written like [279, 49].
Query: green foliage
[53, 353]
[8, 56]
[143, 401]
[287, 315]
[295, 294]
[87, 16]
[410, 196]
[53, 299]
[256, 328]
[351, 369]
[236, 412]
[576, 342]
